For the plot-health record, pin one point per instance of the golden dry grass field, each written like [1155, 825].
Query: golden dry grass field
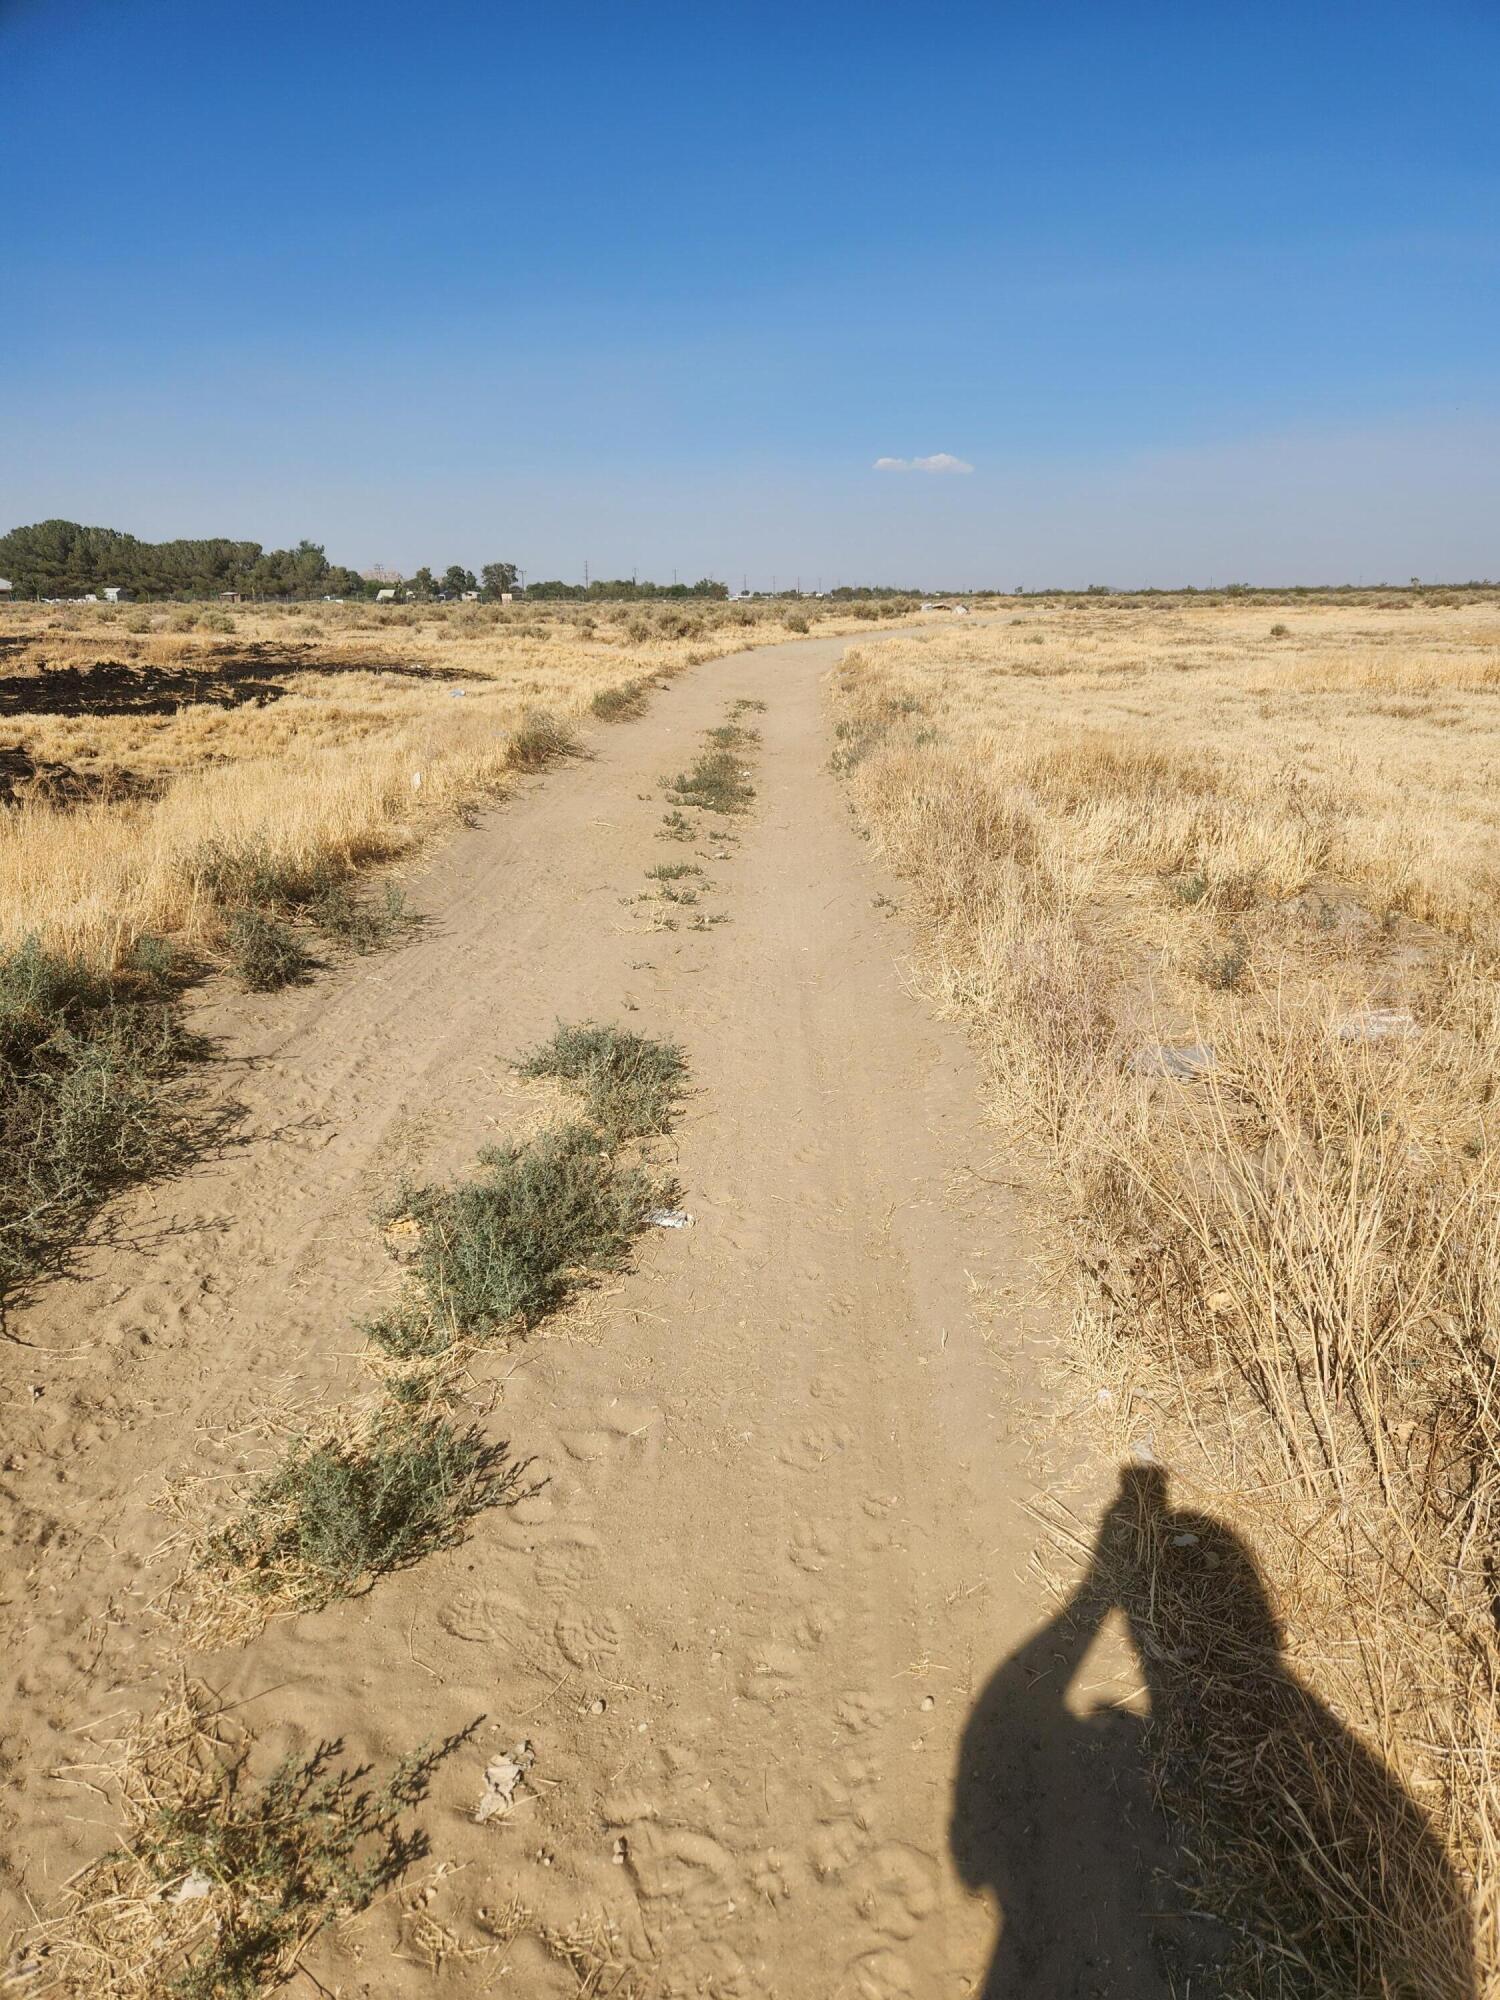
[135, 742]
[1214, 889]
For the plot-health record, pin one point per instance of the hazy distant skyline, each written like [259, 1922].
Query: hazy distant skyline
[1132, 294]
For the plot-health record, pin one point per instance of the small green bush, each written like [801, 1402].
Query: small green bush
[82, 1105]
[732, 736]
[282, 1857]
[716, 783]
[338, 1513]
[254, 883]
[363, 923]
[1223, 970]
[265, 952]
[506, 1248]
[620, 704]
[631, 1085]
[540, 741]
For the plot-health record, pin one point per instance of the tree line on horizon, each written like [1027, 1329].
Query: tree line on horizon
[66, 559]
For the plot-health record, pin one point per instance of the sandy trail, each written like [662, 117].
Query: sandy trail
[784, 1542]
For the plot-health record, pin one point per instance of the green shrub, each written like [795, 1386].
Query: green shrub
[253, 878]
[715, 783]
[338, 1513]
[265, 952]
[505, 1249]
[82, 1109]
[631, 1085]
[620, 704]
[256, 884]
[540, 741]
[363, 923]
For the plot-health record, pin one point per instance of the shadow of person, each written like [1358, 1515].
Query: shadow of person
[1328, 1874]
[1052, 1815]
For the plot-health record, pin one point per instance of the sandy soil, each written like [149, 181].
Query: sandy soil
[783, 1555]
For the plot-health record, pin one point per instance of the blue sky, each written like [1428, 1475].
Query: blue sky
[1199, 292]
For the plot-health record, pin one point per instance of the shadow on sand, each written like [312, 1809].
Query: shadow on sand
[1328, 1877]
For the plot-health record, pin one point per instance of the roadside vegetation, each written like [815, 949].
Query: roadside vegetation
[495, 1255]
[1216, 899]
[225, 1874]
[85, 1063]
[359, 1492]
[309, 739]
[715, 788]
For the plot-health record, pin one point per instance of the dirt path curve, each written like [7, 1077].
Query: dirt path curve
[783, 1542]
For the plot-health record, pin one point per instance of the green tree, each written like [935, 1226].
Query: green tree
[457, 579]
[423, 584]
[497, 577]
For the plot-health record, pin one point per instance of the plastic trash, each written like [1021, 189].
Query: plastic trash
[502, 1779]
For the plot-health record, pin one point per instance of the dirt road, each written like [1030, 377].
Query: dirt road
[783, 1545]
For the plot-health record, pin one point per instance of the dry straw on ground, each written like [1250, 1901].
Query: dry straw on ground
[134, 743]
[1219, 905]
[224, 1874]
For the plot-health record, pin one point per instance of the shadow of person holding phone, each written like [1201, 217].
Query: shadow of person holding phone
[1321, 1866]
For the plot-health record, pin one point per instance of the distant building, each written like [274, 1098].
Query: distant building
[6, 586]
[115, 593]
[378, 573]
[385, 597]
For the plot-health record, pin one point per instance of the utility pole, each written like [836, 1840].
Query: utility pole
[585, 572]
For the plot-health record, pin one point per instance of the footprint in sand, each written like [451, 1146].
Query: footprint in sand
[848, 1791]
[859, 1711]
[630, 1423]
[813, 1546]
[776, 1876]
[895, 1888]
[483, 1617]
[815, 1446]
[882, 1975]
[815, 1626]
[563, 1569]
[588, 1634]
[836, 1847]
[774, 1672]
[672, 1864]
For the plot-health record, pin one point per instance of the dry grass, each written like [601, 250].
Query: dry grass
[314, 736]
[1158, 828]
[223, 1878]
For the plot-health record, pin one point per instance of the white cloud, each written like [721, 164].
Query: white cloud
[940, 461]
